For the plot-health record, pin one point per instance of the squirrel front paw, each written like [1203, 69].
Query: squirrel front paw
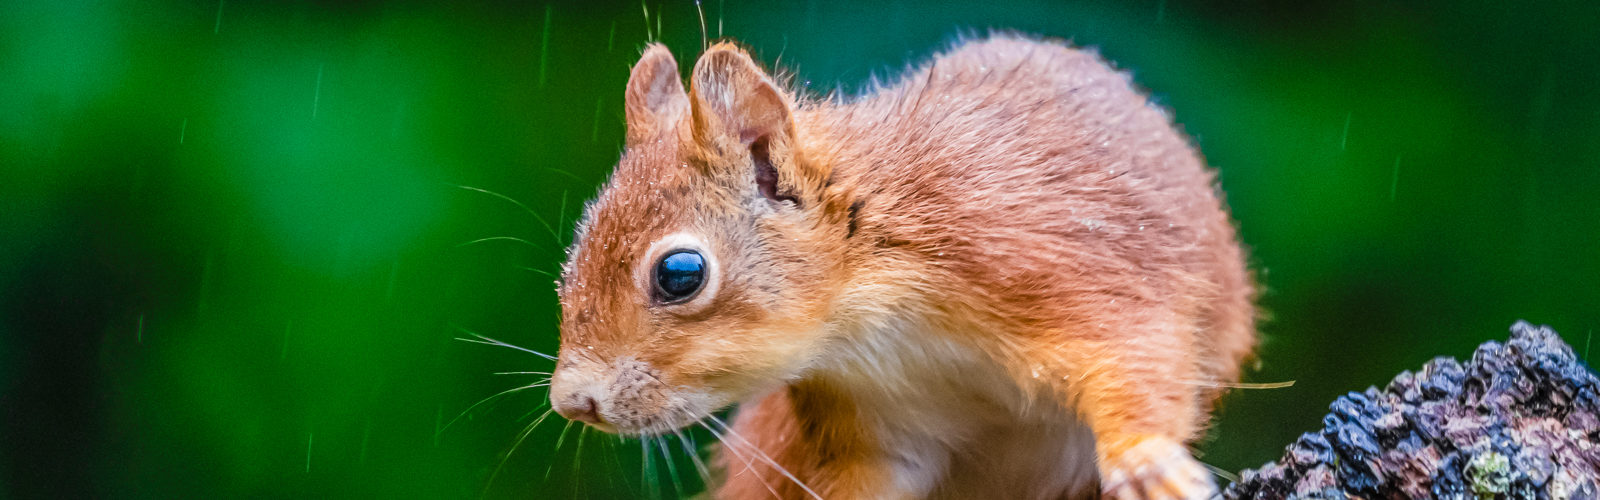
[1154, 468]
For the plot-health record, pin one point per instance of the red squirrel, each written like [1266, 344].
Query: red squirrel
[1005, 276]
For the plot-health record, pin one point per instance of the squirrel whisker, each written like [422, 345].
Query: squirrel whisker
[748, 465]
[542, 222]
[520, 438]
[489, 341]
[480, 402]
[762, 455]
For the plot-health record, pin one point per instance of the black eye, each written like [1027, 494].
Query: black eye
[679, 275]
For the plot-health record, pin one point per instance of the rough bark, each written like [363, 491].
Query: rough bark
[1520, 420]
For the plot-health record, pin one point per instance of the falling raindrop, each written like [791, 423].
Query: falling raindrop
[217, 28]
[316, 96]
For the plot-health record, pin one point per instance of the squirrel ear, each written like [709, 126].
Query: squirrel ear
[734, 102]
[655, 97]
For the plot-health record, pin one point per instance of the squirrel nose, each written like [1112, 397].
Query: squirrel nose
[580, 407]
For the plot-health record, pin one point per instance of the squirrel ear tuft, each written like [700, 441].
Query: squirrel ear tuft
[655, 99]
[734, 102]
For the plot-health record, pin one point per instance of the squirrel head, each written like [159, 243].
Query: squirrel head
[704, 271]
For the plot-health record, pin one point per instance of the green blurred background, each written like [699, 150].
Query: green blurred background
[233, 249]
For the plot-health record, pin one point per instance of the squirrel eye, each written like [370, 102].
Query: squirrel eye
[679, 275]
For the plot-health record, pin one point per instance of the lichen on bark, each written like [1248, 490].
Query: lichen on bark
[1520, 420]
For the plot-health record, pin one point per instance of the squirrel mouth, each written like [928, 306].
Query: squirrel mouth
[669, 421]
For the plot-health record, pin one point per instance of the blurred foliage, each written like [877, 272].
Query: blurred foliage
[234, 250]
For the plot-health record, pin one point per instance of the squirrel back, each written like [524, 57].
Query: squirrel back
[1009, 163]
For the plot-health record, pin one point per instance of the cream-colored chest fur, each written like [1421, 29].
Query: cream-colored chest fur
[953, 423]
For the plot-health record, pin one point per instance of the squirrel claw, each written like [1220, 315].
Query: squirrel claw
[1155, 468]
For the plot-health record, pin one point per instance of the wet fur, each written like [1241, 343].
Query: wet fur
[994, 274]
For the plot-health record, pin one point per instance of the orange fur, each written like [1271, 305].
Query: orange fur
[1010, 245]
